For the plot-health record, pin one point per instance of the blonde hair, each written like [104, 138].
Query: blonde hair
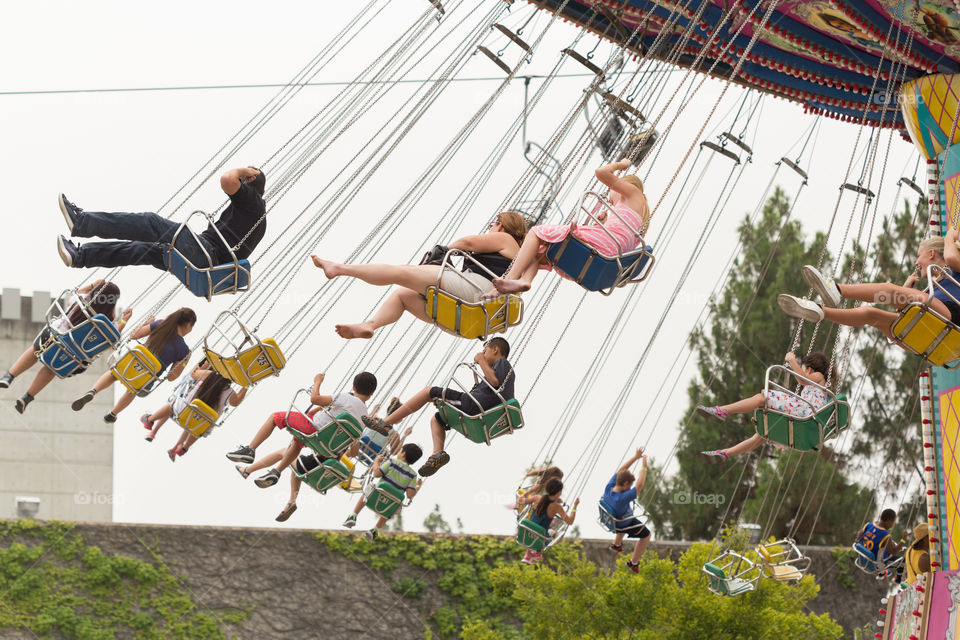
[634, 180]
[514, 224]
[933, 243]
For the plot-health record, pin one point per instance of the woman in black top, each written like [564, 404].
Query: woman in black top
[495, 249]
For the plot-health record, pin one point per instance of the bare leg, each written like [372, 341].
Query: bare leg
[263, 433]
[380, 522]
[412, 276]
[295, 483]
[746, 405]
[749, 444]
[122, 402]
[187, 440]
[389, 312]
[526, 258]
[882, 293]
[289, 455]
[26, 360]
[415, 403]
[156, 427]
[267, 461]
[162, 413]
[639, 548]
[360, 504]
[868, 316]
[618, 539]
[43, 378]
[439, 435]
[103, 382]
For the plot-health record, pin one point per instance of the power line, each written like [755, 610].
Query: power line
[274, 85]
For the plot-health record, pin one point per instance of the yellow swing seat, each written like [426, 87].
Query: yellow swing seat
[197, 417]
[925, 333]
[244, 362]
[138, 370]
[782, 560]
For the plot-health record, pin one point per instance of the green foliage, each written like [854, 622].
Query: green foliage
[459, 566]
[54, 584]
[843, 559]
[434, 522]
[409, 587]
[666, 600]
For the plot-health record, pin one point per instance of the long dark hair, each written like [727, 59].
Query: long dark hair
[553, 486]
[103, 299]
[164, 331]
[211, 389]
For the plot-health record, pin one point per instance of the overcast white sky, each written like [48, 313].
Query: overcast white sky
[132, 150]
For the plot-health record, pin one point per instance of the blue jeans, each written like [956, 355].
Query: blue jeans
[145, 236]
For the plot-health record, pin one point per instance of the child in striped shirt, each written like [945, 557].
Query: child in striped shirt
[396, 471]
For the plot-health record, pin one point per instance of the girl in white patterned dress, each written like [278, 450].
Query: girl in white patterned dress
[813, 367]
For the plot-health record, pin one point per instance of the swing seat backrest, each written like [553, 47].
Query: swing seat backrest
[594, 272]
[79, 346]
[473, 320]
[532, 536]
[925, 333]
[386, 499]
[782, 571]
[261, 361]
[723, 585]
[326, 475]
[206, 283]
[334, 438]
[490, 424]
[197, 417]
[804, 434]
[866, 559]
[138, 370]
[368, 451]
[607, 518]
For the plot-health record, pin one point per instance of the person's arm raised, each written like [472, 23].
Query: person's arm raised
[951, 254]
[230, 181]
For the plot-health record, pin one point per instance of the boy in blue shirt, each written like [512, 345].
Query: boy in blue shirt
[875, 536]
[619, 493]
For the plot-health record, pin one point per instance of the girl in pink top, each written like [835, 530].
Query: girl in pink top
[626, 196]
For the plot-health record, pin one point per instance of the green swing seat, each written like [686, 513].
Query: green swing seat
[325, 476]
[532, 536]
[492, 423]
[386, 499]
[805, 434]
[331, 440]
[723, 585]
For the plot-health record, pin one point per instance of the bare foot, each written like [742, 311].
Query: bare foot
[510, 286]
[360, 330]
[493, 294]
[329, 267]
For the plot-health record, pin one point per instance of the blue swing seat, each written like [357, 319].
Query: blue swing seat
[205, 283]
[78, 347]
[595, 272]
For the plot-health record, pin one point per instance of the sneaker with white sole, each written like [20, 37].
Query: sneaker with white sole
[70, 211]
[268, 479]
[372, 534]
[82, 401]
[22, 402]
[69, 252]
[800, 308]
[5, 380]
[110, 418]
[242, 454]
[824, 285]
[351, 521]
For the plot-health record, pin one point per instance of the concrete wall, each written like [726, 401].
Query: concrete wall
[62, 457]
[298, 589]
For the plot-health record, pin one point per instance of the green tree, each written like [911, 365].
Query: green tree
[435, 523]
[667, 601]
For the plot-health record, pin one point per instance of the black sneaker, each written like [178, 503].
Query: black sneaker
[242, 454]
[22, 402]
[377, 424]
[69, 210]
[68, 251]
[5, 380]
[82, 401]
[110, 418]
[433, 463]
[268, 479]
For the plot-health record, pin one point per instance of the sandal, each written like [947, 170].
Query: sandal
[242, 470]
[287, 512]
